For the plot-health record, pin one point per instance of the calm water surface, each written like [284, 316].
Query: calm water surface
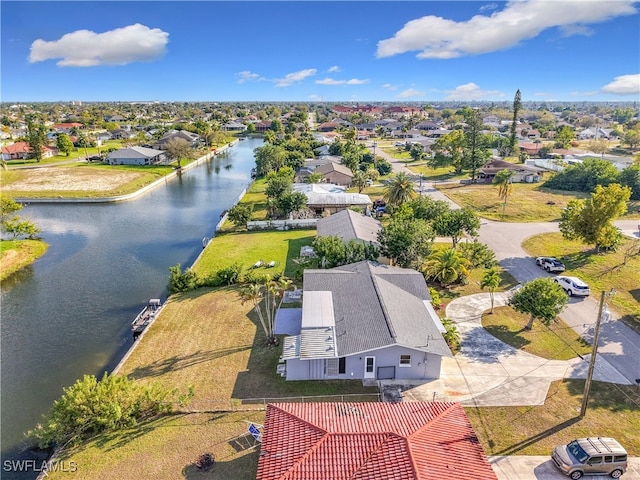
[69, 313]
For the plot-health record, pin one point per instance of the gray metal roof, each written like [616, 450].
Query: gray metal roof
[375, 306]
[349, 225]
[325, 194]
[135, 152]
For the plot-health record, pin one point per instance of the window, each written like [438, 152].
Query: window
[595, 461]
[405, 360]
[620, 458]
[608, 459]
[342, 364]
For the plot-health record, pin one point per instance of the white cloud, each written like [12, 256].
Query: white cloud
[84, 48]
[410, 92]
[357, 81]
[334, 69]
[624, 85]
[295, 77]
[391, 87]
[247, 76]
[488, 6]
[331, 81]
[437, 37]
[314, 97]
[471, 91]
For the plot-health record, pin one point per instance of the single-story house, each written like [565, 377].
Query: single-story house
[365, 321]
[349, 225]
[136, 156]
[530, 148]
[66, 127]
[121, 134]
[22, 151]
[327, 198]
[370, 441]
[521, 173]
[234, 126]
[336, 173]
[192, 138]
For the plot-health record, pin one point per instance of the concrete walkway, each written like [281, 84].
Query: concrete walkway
[488, 372]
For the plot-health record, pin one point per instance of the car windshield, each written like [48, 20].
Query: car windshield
[578, 453]
[556, 262]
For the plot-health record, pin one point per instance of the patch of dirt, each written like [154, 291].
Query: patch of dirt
[70, 179]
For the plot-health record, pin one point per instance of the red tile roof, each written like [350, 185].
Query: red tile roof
[17, 147]
[370, 441]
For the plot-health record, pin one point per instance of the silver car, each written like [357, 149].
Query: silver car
[591, 456]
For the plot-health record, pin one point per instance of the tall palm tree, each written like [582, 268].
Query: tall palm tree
[491, 280]
[399, 190]
[359, 180]
[505, 186]
[446, 266]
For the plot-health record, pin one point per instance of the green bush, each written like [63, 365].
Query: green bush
[229, 275]
[181, 282]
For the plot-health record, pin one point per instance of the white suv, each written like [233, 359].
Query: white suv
[573, 286]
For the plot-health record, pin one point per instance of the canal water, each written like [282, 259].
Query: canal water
[69, 313]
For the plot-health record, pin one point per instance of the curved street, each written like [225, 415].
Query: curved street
[619, 345]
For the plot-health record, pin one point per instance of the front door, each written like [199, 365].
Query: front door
[369, 367]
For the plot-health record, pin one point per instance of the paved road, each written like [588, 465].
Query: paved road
[619, 346]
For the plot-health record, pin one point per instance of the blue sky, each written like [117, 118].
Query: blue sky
[320, 51]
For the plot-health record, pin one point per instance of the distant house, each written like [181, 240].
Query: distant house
[121, 134]
[365, 321]
[136, 156]
[520, 172]
[66, 127]
[326, 198]
[328, 126]
[190, 137]
[234, 127]
[370, 441]
[22, 151]
[349, 225]
[529, 148]
[337, 173]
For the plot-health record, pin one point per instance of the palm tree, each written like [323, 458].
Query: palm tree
[266, 298]
[359, 180]
[446, 266]
[505, 185]
[399, 190]
[491, 280]
[451, 334]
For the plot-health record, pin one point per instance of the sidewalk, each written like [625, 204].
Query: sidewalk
[488, 372]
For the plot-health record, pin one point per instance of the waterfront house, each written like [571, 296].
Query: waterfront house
[326, 198]
[370, 441]
[365, 321]
[136, 156]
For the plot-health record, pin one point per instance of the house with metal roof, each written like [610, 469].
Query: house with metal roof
[365, 321]
[136, 156]
[327, 198]
[370, 441]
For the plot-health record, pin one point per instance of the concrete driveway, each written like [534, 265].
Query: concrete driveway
[520, 467]
[488, 372]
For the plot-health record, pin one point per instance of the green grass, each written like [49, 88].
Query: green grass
[557, 341]
[601, 271]
[612, 411]
[246, 248]
[166, 448]
[442, 174]
[17, 254]
[529, 202]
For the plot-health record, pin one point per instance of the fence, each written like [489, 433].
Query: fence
[282, 224]
[249, 404]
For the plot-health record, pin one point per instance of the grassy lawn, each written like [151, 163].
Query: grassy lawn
[166, 448]
[558, 341]
[436, 174]
[247, 248]
[612, 411]
[17, 254]
[529, 202]
[601, 271]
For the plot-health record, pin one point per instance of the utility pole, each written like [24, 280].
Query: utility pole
[592, 362]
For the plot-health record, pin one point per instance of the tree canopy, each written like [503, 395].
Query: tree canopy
[541, 298]
[406, 240]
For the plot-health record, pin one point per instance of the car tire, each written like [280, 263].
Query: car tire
[569, 292]
[576, 475]
[617, 473]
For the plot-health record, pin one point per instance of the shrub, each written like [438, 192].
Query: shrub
[181, 282]
[229, 275]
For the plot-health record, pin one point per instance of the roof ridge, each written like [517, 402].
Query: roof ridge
[385, 439]
[385, 312]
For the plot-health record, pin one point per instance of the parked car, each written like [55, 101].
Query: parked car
[550, 264]
[573, 286]
[591, 456]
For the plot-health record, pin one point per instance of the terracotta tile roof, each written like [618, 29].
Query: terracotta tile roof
[17, 147]
[370, 441]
